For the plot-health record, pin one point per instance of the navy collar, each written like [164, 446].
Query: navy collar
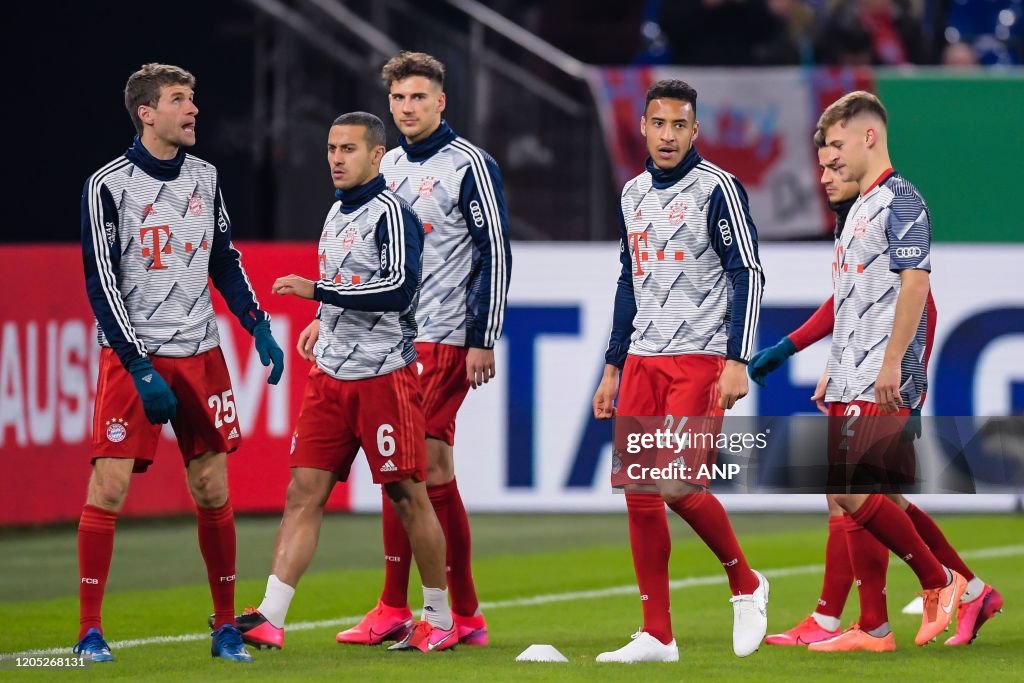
[842, 210]
[668, 178]
[354, 197]
[161, 169]
[424, 149]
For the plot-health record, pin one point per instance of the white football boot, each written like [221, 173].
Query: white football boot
[643, 647]
[750, 618]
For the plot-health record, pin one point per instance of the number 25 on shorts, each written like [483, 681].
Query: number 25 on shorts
[223, 406]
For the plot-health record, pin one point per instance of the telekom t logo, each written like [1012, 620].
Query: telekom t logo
[154, 232]
[635, 239]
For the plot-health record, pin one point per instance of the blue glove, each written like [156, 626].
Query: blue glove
[269, 351]
[912, 429]
[769, 360]
[157, 398]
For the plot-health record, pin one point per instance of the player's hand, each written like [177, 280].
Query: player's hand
[293, 284]
[479, 367]
[269, 350]
[307, 340]
[157, 398]
[912, 428]
[819, 393]
[604, 397]
[732, 385]
[769, 360]
[887, 388]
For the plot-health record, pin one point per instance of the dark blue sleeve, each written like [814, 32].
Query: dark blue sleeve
[101, 259]
[482, 202]
[227, 273]
[734, 238]
[909, 231]
[393, 288]
[625, 303]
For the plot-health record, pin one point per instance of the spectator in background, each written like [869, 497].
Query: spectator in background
[798, 19]
[844, 41]
[959, 55]
[893, 34]
[730, 32]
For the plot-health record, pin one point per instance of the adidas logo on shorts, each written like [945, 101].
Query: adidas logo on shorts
[234, 433]
[389, 466]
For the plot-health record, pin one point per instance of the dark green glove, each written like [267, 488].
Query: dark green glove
[157, 398]
[769, 360]
[269, 351]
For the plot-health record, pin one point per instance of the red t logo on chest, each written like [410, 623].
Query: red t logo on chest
[155, 248]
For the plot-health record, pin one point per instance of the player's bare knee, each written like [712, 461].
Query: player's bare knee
[307, 493]
[298, 495]
[439, 476]
[408, 497]
[209, 491]
[678, 493]
[898, 499]
[108, 485]
[108, 492]
[440, 462]
[834, 508]
[847, 502]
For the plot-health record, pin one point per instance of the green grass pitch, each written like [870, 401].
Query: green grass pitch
[560, 579]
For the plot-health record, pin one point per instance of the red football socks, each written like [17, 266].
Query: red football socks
[217, 545]
[838, 570]
[706, 516]
[870, 561]
[397, 557]
[95, 548]
[651, 545]
[458, 542]
[893, 527]
[936, 540]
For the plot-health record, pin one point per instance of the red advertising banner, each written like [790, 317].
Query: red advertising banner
[48, 367]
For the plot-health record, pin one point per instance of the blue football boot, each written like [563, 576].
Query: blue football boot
[227, 644]
[93, 648]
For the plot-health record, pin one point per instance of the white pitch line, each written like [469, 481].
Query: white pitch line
[678, 584]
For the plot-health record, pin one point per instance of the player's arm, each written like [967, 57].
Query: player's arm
[623, 316]
[815, 328]
[908, 230]
[230, 279]
[733, 236]
[101, 258]
[227, 272]
[482, 203]
[393, 287]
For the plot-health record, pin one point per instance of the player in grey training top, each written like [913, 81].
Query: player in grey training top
[888, 231]
[455, 189]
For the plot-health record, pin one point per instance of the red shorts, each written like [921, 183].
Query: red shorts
[671, 388]
[442, 369]
[866, 451]
[205, 421]
[383, 415]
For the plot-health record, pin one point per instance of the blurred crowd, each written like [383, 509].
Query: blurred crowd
[957, 33]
